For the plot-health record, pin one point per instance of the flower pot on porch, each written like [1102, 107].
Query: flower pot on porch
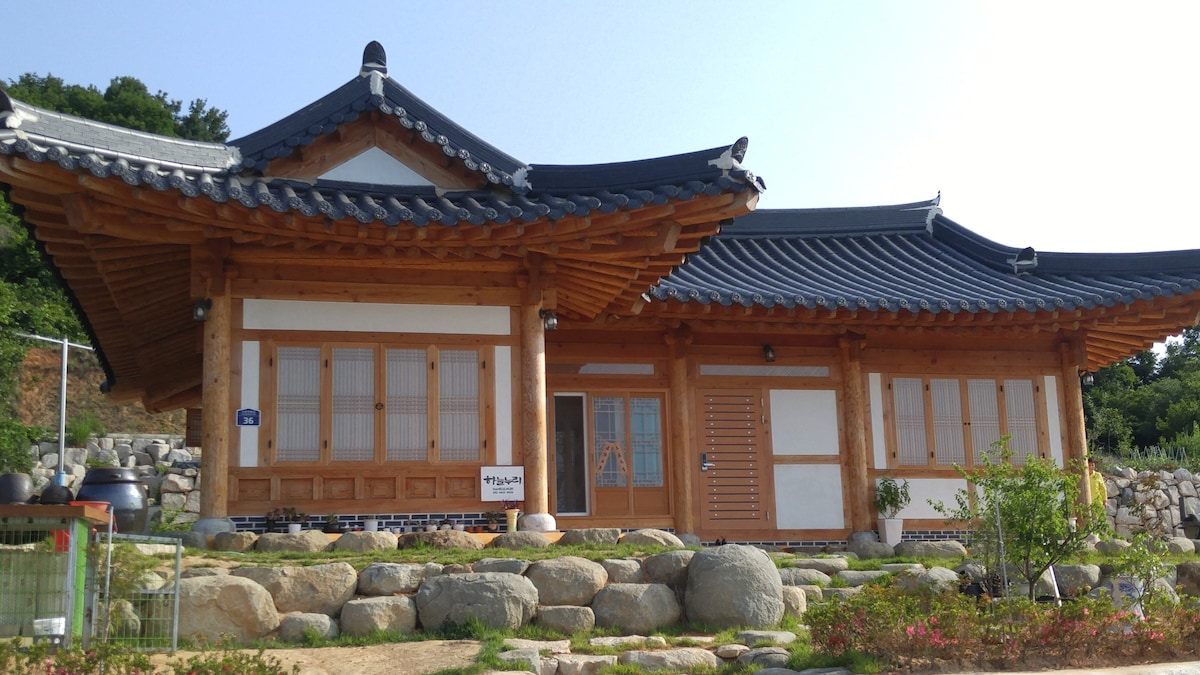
[890, 530]
[511, 516]
[294, 528]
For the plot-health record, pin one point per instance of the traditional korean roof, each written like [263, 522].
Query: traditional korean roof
[234, 172]
[908, 258]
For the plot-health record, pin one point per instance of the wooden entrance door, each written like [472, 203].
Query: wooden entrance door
[732, 479]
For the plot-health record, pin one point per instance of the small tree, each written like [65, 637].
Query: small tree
[1028, 517]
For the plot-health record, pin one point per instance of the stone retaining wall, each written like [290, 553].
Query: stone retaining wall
[724, 586]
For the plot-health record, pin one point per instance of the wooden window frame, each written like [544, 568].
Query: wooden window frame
[972, 455]
[269, 388]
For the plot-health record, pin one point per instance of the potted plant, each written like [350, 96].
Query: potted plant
[512, 509]
[332, 526]
[890, 498]
[493, 520]
[272, 519]
[295, 520]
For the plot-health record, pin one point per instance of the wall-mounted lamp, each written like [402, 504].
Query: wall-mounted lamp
[549, 319]
[200, 309]
[768, 354]
[1087, 379]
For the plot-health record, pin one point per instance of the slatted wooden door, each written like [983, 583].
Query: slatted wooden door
[731, 467]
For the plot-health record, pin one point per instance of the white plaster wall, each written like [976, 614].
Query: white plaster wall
[377, 167]
[878, 437]
[808, 496]
[248, 436]
[938, 489]
[504, 407]
[804, 422]
[1053, 419]
[310, 315]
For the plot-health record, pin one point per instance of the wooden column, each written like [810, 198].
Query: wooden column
[533, 409]
[1072, 413]
[854, 425]
[681, 454]
[215, 399]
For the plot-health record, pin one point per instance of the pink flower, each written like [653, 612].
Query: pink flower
[909, 630]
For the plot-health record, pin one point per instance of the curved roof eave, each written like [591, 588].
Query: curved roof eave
[888, 259]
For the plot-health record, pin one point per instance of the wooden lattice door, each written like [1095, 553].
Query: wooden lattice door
[731, 473]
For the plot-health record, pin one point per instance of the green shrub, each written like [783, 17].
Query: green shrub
[15, 439]
[82, 427]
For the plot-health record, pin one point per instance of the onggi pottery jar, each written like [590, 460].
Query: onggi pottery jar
[16, 488]
[121, 489]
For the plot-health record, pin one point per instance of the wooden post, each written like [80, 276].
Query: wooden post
[1076, 447]
[854, 423]
[681, 454]
[218, 414]
[533, 409]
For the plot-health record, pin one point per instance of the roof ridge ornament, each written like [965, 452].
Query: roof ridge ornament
[1024, 262]
[374, 60]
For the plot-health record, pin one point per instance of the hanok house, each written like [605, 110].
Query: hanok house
[380, 287]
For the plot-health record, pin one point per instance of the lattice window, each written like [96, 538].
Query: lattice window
[370, 403]
[1022, 419]
[407, 406]
[985, 417]
[646, 441]
[950, 447]
[608, 440]
[458, 405]
[299, 405]
[353, 404]
[933, 407]
[909, 397]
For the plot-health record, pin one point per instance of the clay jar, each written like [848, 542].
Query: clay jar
[16, 488]
[121, 489]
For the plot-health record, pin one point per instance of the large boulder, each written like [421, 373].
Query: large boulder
[568, 580]
[440, 539]
[520, 539]
[795, 576]
[307, 541]
[1076, 580]
[566, 620]
[636, 608]
[795, 601]
[390, 578]
[214, 607]
[361, 542]
[1188, 577]
[238, 542]
[507, 565]
[294, 626]
[498, 600]
[392, 614]
[624, 570]
[931, 549]
[319, 588]
[651, 537]
[668, 568]
[590, 535]
[935, 579]
[734, 585]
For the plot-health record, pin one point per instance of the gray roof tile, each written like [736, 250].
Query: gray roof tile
[906, 258]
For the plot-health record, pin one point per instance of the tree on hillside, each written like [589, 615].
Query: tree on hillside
[126, 102]
[1147, 400]
[32, 299]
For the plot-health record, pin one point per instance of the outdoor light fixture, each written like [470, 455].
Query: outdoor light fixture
[768, 354]
[1087, 379]
[549, 319]
[200, 309]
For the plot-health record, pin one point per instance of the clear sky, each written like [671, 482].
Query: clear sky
[1067, 126]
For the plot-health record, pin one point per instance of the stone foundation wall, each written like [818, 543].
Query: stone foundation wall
[1154, 501]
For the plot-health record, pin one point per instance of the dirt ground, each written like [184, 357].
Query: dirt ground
[407, 658]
